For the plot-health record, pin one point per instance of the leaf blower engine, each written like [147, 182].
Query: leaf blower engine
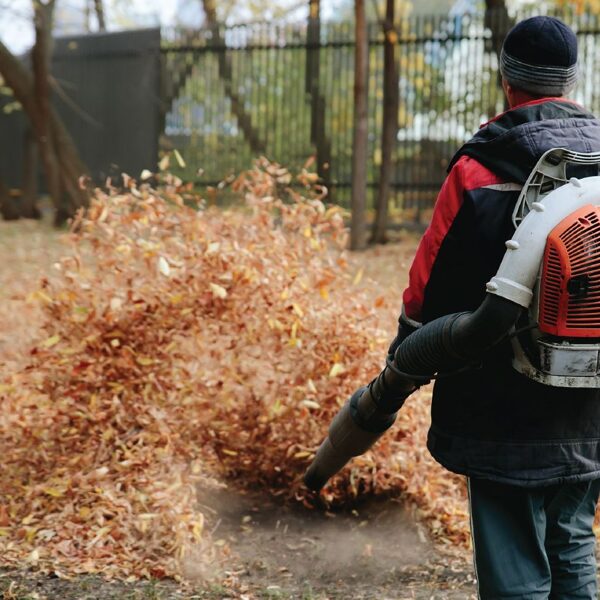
[545, 298]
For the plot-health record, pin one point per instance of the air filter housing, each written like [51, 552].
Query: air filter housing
[570, 283]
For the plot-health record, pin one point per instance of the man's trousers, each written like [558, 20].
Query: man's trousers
[534, 544]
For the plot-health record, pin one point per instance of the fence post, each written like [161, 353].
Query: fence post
[389, 130]
[318, 136]
[360, 134]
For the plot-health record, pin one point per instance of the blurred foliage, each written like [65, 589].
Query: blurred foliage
[8, 104]
[581, 6]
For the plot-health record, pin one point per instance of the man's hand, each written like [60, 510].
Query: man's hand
[406, 326]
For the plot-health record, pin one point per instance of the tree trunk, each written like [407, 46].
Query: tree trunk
[71, 169]
[499, 22]
[29, 208]
[60, 161]
[360, 135]
[40, 58]
[9, 209]
[389, 130]
[318, 136]
[99, 9]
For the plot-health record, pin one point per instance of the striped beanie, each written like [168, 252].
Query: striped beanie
[539, 56]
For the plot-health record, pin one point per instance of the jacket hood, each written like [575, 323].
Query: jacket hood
[511, 144]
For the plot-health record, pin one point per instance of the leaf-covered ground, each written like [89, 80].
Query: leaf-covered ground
[276, 552]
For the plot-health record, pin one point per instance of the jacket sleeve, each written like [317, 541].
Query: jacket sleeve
[447, 206]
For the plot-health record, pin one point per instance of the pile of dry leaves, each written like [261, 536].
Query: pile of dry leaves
[182, 344]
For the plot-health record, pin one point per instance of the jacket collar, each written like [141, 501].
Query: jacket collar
[530, 103]
[511, 144]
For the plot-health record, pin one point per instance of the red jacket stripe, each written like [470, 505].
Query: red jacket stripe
[467, 174]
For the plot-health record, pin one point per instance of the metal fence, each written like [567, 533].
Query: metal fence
[224, 96]
[286, 91]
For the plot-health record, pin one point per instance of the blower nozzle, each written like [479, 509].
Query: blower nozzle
[444, 344]
[368, 414]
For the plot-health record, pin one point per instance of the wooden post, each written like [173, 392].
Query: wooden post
[29, 208]
[360, 136]
[318, 135]
[8, 207]
[389, 130]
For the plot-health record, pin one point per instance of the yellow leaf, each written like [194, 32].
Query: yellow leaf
[34, 557]
[230, 452]
[144, 361]
[51, 341]
[197, 527]
[294, 332]
[39, 295]
[310, 404]
[163, 266]
[358, 276]
[54, 492]
[298, 310]
[336, 369]
[163, 164]
[218, 291]
[275, 408]
[179, 158]
[30, 534]
[103, 531]
[276, 324]
[324, 292]
[302, 454]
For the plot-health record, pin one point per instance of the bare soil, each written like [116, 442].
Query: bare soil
[375, 552]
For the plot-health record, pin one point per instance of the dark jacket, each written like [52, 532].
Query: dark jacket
[492, 422]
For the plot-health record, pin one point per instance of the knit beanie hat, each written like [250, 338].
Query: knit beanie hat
[539, 56]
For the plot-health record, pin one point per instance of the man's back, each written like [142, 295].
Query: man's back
[490, 421]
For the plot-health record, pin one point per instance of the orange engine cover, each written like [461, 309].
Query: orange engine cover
[570, 284]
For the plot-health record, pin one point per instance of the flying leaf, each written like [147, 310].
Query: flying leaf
[179, 158]
[218, 291]
[163, 164]
[358, 277]
[336, 369]
[51, 341]
[163, 266]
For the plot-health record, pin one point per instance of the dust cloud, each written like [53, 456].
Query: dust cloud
[274, 543]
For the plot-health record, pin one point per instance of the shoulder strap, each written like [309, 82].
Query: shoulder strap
[549, 173]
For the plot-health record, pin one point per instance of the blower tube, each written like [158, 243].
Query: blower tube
[448, 343]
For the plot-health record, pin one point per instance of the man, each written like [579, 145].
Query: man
[531, 452]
